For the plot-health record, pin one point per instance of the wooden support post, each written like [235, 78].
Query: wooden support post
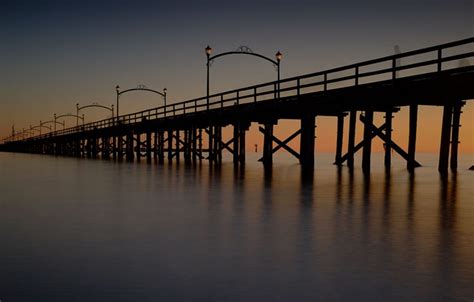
[161, 146]
[215, 145]
[138, 147]
[200, 144]
[307, 142]
[193, 144]
[148, 147]
[114, 147]
[177, 147]
[155, 146]
[120, 147]
[170, 145]
[58, 148]
[340, 136]
[89, 147]
[388, 143]
[187, 146]
[190, 144]
[129, 146]
[367, 149]
[78, 148]
[412, 137]
[105, 147]
[268, 144]
[235, 146]
[455, 135]
[211, 144]
[242, 132]
[218, 140]
[351, 141]
[445, 138]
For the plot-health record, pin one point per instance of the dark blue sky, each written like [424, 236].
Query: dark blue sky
[56, 53]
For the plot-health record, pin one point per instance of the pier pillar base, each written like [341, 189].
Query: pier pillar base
[351, 140]
[413, 120]
[367, 149]
[307, 142]
[445, 139]
[339, 139]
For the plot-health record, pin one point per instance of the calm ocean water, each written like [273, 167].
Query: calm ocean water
[93, 230]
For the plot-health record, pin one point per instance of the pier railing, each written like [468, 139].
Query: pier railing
[418, 62]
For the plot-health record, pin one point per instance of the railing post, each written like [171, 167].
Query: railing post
[298, 87]
[255, 94]
[238, 98]
[394, 67]
[440, 56]
[207, 82]
[222, 101]
[325, 81]
[357, 75]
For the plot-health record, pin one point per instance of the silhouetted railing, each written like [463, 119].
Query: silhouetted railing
[294, 86]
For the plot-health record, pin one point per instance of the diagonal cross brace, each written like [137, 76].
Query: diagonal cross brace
[226, 146]
[392, 144]
[180, 141]
[361, 144]
[283, 144]
[223, 145]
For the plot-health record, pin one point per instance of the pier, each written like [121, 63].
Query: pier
[191, 130]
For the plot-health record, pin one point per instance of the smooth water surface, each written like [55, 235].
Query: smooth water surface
[92, 230]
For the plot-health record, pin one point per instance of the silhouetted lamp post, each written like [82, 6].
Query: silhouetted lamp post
[278, 57]
[164, 94]
[242, 50]
[77, 114]
[208, 54]
[117, 89]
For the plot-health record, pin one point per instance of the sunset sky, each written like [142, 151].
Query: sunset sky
[55, 54]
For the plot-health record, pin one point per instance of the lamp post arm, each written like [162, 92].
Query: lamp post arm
[142, 89]
[69, 115]
[276, 63]
[96, 105]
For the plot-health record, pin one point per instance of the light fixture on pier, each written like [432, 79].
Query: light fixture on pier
[278, 56]
[208, 50]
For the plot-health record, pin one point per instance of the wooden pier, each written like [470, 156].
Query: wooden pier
[191, 131]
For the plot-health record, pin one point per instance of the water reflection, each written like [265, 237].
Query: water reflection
[236, 234]
[447, 199]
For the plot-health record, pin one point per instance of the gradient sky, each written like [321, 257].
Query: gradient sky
[54, 54]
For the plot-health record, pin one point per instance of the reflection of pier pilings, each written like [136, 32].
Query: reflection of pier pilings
[447, 234]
